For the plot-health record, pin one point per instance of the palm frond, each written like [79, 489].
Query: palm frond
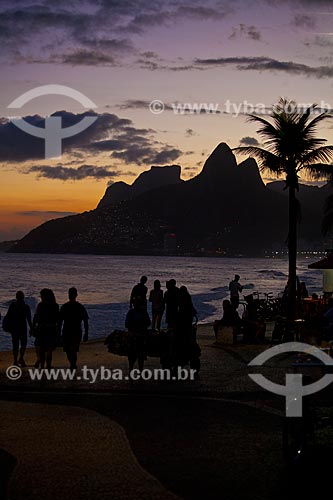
[310, 128]
[290, 144]
[305, 116]
[321, 154]
[267, 160]
[267, 129]
[318, 171]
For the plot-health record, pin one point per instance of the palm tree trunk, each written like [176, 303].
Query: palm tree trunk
[292, 251]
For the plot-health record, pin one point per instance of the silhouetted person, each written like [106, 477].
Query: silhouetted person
[19, 316]
[140, 290]
[72, 315]
[46, 326]
[157, 305]
[312, 316]
[314, 326]
[328, 317]
[230, 316]
[183, 335]
[235, 288]
[303, 291]
[254, 329]
[285, 297]
[286, 290]
[171, 301]
[137, 323]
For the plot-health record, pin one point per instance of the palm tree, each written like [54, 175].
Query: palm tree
[291, 147]
[327, 222]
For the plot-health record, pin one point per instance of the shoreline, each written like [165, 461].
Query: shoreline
[283, 256]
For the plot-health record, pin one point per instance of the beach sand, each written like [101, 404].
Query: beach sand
[223, 370]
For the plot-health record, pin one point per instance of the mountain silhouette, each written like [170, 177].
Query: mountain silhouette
[6, 245]
[153, 178]
[225, 209]
[225, 206]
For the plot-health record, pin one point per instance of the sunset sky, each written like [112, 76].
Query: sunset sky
[124, 54]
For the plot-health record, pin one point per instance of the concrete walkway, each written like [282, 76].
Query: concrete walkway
[223, 370]
[69, 453]
[217, 436]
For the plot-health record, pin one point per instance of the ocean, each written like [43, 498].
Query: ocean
[105, 282]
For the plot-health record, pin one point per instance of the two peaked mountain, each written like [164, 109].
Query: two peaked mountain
[225, 209]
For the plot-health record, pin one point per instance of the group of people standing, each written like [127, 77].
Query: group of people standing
[179, 313]
[175, 302]
[51, 325]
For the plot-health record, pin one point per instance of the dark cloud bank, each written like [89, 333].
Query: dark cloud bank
[109, 134]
